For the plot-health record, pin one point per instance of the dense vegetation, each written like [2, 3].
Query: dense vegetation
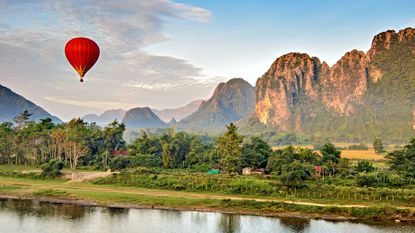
[75, 142]
[180, 161]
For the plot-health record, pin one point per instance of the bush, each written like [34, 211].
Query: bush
[364, 166]
[50, 193]
[52, 168]
[120, 163]
[360, 146]
[396, 180]
[367, 180]
[123, 162]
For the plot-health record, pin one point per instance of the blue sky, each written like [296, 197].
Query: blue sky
[165, 53]
[249, 35]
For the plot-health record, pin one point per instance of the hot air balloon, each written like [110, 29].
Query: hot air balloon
[82, 53]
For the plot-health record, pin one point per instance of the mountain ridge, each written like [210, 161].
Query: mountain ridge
[12, 104]
[230, 102]
[142, 117]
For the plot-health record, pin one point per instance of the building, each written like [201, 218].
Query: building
[120, 153]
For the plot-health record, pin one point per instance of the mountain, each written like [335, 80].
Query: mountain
[177, 113]
[230, 102]
[106, 117]
[362, 96]
[12, 104]
[142, 118]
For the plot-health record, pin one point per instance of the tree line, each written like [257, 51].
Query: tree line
[77, 143]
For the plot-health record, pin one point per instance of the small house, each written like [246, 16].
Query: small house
[120, 153]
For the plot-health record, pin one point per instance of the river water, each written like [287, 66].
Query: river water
[29, 216]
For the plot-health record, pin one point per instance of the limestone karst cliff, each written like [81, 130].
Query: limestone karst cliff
[363, 93]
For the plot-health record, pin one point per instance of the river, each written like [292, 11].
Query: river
[34, 217]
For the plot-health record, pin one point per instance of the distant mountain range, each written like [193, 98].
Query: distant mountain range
[166, 115]
[12, 104]
[106, 117]
[177, 113]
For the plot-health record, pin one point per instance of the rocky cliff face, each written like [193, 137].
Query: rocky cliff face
[373, 90]
[290, 79]
[345, 84]
[231, 101]
[12, 104]
[139, 118]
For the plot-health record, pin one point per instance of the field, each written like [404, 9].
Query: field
[350, 154]
[362, 155]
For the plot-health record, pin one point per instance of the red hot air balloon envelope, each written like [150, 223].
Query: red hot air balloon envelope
[82, 53]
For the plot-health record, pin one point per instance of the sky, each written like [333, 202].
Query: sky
[165, 53]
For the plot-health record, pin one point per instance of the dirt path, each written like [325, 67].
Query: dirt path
[84, 176]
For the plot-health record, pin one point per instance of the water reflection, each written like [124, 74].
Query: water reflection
[298, 225]
[229, 223]
[42, 209]
[36, 217]
[116, 212]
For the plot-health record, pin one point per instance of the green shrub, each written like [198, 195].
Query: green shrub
[52, 168]
[360, 146]
[123, 162]
[367, 180]
[364, 166]
[50, 193]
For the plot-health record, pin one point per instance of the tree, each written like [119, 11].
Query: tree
[180, 144]
[331, 157]
[146, 145]
[113, 135]
[74, 145]
[6, 142]
[330, 153]
[167, 155]
[364, 166]
[295, 174]
[230, 149]
[22, 119]
[255, 154]
[378, 145]
[196, 152]
[367, 180]
[403, 160]
[52, 168]
[343, 167]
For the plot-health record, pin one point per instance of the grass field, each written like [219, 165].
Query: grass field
[362, 154]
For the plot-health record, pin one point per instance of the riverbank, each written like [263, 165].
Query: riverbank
[89, 203]
[62, 192]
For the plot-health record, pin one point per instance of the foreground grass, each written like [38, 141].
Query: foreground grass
[110, 195]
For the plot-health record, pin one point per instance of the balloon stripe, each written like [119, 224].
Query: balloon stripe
[88, 54]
